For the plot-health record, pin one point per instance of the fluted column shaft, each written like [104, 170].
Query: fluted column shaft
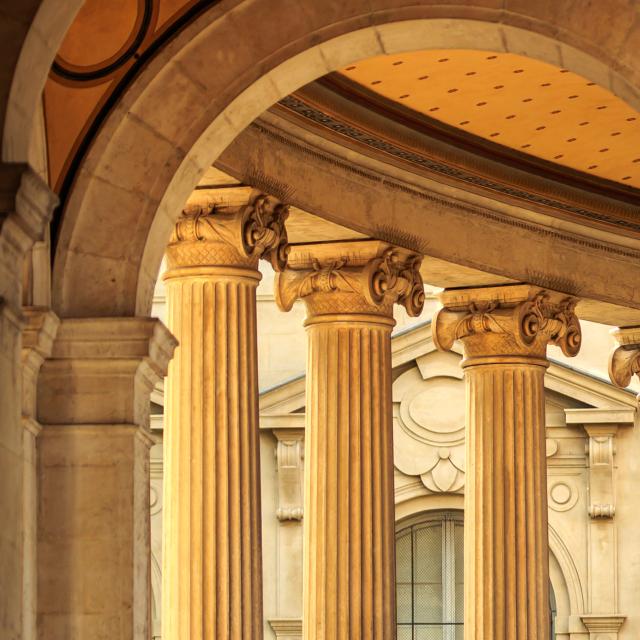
[212, 568]
[506, 541]
[349, 505]
[504, 332]
[349, 529]
[213, 571]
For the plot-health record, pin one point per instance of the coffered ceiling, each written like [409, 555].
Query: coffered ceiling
[520, 103]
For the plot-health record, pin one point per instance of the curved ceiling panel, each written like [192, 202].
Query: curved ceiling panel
[518, 102]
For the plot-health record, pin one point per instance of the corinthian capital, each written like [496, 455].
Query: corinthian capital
[351, 277]
[213, 235]
[624, 361]
[516, 320]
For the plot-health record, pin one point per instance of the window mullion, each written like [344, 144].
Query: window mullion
[448, 578]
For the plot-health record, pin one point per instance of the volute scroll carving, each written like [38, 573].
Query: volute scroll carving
[370, 280]
[624, 361]
[212, 235]
[509, 320]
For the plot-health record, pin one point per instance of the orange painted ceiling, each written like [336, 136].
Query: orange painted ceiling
[521, 103]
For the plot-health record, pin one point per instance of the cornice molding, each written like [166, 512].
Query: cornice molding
[377, 144]
[276, 134]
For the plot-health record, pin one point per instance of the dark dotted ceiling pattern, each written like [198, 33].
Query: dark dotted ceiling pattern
[521, 103]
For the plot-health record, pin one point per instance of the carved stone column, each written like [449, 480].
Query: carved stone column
[504, 332]
[212, 573]
[349, 534]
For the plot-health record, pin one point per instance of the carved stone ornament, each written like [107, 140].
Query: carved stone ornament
[289, 459]
[356, 277]
[231, 236]
[516, 320]
[601, 451]
[624, 361]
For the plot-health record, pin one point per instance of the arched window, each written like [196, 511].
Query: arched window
[430, 579]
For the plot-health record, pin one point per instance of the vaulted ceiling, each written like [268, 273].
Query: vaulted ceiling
[514, 101]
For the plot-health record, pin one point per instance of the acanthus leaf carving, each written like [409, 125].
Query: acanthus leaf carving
[212, 235]
[624, 361]
[389, 276]
[516, 319]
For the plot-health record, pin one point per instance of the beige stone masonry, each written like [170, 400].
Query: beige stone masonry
[38, 334]
[602, 427]
[349, 289]
[504, 332]
[26, 204]
[287, 628]
[212, 568]
[93, 475]
[603, 627]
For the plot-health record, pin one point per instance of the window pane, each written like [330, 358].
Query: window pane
[428, 603]
[403, 603]
[428, 573]
[403, 557]
[428, 554]
[405, 632]
[429, 633]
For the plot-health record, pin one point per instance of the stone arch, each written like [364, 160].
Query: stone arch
[177, 116]
[37, 29]
[565, 577]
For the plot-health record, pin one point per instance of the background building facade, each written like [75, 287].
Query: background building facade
[591, 445]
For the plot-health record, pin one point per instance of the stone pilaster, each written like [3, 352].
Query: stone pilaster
[38, 334]
[602, 427]
[212, 569]
[349, 533]
[93, 477]
[26, 204]
[504, 332]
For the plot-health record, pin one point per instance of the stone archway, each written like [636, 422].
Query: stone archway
[41, 25]
[177, 117]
